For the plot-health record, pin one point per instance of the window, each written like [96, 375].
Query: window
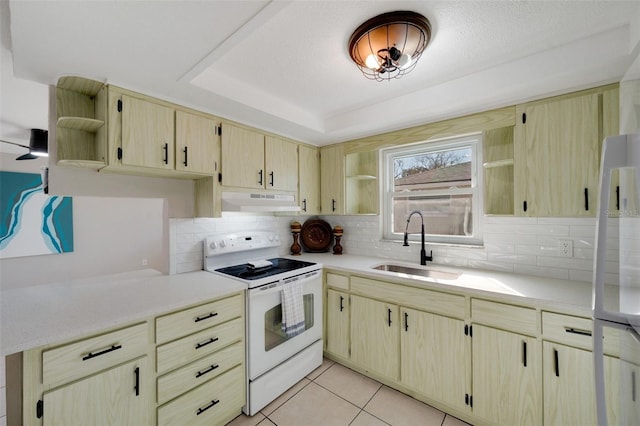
[440, 180]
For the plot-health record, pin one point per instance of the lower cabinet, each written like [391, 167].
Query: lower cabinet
[193, 372]
[433, 356]
[118, 396]
[507, 386]
[375, 336]
[337, 326]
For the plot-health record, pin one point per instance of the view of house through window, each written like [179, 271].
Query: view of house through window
[438, 179]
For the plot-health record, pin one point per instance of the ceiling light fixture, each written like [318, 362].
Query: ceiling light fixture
[389, 45]
[38, 145]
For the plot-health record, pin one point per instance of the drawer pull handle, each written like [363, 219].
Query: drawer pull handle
[577, 331]
[102, 352]
[208, 370]
[208, 342]
[204, 317]
[211, 404]
[136, 374]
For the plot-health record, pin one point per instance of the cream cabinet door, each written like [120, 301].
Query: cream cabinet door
[569, 386]
[147, 134]
[338, 324]
[375, 336]
[119, 396]
[434, 356]
[242, 157]
[281, 164]
[309, 179]
[507, 381]
[332, 180]
[556, 157]
[197, 144]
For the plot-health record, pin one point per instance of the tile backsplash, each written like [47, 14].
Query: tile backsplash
[519, 245]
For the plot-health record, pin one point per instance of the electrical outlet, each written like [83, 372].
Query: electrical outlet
[565, 248]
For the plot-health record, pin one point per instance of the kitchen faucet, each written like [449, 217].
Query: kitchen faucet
[423, 252]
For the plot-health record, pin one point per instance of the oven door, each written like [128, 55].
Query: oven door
[267, 344]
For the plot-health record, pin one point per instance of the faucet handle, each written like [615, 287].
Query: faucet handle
[430, 257]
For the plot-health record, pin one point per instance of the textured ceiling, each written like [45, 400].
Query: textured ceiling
[283, 66]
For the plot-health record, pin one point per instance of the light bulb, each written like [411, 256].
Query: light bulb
[372, 62]
[404, 61]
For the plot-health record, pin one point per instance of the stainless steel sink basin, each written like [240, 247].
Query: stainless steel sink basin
[408, 270]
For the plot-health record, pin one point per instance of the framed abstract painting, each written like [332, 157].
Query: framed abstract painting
[31, 222]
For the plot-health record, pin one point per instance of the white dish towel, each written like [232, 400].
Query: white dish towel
[292, 310]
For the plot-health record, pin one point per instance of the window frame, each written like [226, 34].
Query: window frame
[387, 157]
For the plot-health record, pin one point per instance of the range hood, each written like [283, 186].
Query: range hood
[258, 202]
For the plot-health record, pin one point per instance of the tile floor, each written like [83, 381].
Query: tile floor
[334, 395]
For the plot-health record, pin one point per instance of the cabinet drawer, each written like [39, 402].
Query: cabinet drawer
[432, 301]
[75, 360]
[216, 402]
[337, 281]
[507, 317]
[567, 329]
[183, 351]
[173, 326]
[178, 382]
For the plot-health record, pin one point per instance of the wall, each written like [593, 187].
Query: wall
[519, 245]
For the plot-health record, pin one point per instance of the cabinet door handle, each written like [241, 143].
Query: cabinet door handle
[271, 178]
[185, 156]
[208, 370]
[524, 205]
[618, 197]
[206, 342]
[304, 205]
[203, 409]
[102, 352]
[136, 374]
[204, 317]
[389, 316]
[260, 178]
[333, 204]
[577, 331]
[524, 353]
[166, 153]
[406, 321]
[341, 303]
[556, 362]
[586, 199]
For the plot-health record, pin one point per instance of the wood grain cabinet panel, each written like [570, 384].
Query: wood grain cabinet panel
[281, 164]
[119, 396]
[337, 337]
[556, 157]
[375, 336]
[148, 138]
[507, 381]
[434, 353]
[197, 143]
[332, 180]
[309, 179]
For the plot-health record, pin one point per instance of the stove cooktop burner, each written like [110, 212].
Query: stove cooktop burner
[279, 266]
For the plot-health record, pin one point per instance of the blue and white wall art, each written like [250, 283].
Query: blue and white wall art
[31, 222]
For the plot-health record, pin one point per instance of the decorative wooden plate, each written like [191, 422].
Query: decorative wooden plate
[316, 236]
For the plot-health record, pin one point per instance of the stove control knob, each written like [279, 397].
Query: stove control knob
[222, 244]
[213, 245]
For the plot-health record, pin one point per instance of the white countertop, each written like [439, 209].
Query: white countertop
[39, 315]
[569, 296]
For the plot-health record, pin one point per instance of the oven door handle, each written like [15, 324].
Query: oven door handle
[277, 286]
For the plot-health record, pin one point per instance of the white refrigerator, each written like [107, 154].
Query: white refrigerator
[616, 284]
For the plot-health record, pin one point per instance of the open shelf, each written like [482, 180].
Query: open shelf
[362, 177]
[80, 123]
[498, 163]
[87, 164]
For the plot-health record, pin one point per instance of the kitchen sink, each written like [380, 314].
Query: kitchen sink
[408, 270]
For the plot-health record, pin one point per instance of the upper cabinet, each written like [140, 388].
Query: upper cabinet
[255, 161]
[309, 179]
[81, 134]
[197, 143]
[332, 180]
